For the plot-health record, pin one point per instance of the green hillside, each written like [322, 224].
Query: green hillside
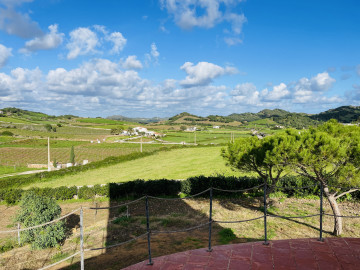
[344, 114]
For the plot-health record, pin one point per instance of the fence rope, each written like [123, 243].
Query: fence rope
[341, 216]
[294, 188]
[238, 190]
[184, 230]
[116, 245]
[63, 260]
[115, 206]
[41, 225]
[239, 221]
[187, 197]
[290, 217]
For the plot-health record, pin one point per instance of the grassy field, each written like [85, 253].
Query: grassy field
[175, 164]
[204, 137]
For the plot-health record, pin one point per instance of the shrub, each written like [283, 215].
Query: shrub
[86, 192]
[7, 133]
[12, 196]
[37, 210]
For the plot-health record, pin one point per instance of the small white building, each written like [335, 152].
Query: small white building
[191, 129]
[217, 127]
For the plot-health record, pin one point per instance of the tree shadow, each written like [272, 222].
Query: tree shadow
[256, 203]
[169, 221]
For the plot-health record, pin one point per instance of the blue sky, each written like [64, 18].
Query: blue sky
[162, 57]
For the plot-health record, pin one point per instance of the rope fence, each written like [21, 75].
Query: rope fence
[148, 232]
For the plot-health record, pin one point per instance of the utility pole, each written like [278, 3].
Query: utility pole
[141, 144]
[49, 165]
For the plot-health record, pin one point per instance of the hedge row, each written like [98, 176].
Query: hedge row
[164, 187]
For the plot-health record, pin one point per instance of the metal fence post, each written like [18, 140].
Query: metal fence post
[96, 208]
[265, 215]
[82, 238]
[148, 228]
[210, 219]
[321, 211]
[18, 233]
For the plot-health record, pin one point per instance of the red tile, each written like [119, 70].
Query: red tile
[284, 244]
[220, 263]
[239, 264]
[202, 252]
[328, 265]
[348, 259]
[262, 249]
[241, 255]
[172, 266]
[178, 257]
[194, 267]
[223, 254]
[199, 260]
[299, 244]
[262, 257]
[261, 266]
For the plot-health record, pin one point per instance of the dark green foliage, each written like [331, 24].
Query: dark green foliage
[288, 183]
[37, 210]
[6, 133]
[226, 235]
[72, 155]
[48, 127]
[12, 196]
[194, 185]
[139, 188]
[102, 190]
[343, 114]
[86, 192]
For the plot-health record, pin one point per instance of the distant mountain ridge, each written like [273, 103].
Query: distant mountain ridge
[343, 114]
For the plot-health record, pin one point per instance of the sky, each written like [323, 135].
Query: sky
[148, 58]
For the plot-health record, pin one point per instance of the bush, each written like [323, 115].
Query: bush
[12, 196]
[37, 210]
[86, 192]
[140, 188]
[7, 133]
[197, 184]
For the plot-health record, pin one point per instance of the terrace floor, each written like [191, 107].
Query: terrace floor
[333, 253]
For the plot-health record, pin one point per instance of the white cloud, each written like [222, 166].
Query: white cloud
[132, 62]
[322, 82]
[203, 73]
[118, 40]
[279, 92]
[358, 69]
[206, 14]
[5, 53]
[153, 56]
[47, 42]
[82, 41]
[245, 93]
[16, 23]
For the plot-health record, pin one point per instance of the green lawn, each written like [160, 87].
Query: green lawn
[176, 164]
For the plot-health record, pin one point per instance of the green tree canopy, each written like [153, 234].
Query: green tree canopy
[37, 210]
[330, 155]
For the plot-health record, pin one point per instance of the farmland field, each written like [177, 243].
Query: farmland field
[35, 151]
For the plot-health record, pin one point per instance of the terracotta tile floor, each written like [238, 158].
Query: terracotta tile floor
[333, 253]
